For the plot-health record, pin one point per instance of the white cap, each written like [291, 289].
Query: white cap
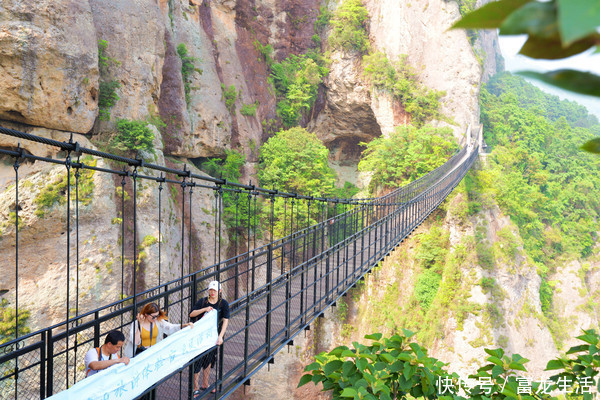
[214, 285]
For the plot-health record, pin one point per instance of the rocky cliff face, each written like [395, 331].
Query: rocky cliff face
[51, 76]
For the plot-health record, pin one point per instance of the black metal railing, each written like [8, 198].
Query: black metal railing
[275, 290]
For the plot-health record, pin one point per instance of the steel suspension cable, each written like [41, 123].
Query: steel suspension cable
[76, 261]
[190, 232]
[235, 244]
[284, 233]
[254, 241]
[248, 243]
[16, 166]
[183, 186]
[134, 176]
[68, 166]
[220, 218]
[123, 245]
[160, 189]
[216, 208]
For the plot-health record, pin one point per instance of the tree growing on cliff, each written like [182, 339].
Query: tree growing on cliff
[187, 69]
[133, 135]
[107, 96]
[296, 80]
[237, 210]
[407, 154]
[349, 31]
[295, 160]
[400, 80]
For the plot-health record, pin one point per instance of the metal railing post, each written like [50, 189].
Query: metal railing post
[269, 298]
[42, 365]
[50, 369]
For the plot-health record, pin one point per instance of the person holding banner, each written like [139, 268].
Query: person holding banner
[149, 328]
[105, 356]
[214, 301]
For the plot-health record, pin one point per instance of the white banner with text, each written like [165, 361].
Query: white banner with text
[124, 382]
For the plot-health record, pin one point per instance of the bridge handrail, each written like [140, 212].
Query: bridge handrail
[398, 211]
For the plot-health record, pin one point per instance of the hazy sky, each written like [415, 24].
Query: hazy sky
[510, 46]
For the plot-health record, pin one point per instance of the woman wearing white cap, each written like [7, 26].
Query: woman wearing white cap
[204, 305]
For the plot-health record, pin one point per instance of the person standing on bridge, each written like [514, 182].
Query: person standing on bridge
[214, 301]
[149, 328]
[105, 356]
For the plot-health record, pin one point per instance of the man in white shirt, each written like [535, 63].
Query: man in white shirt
[107, 355]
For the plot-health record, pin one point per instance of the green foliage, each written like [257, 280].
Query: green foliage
[407, 154]
[133, 135]
[148, 241]
[533, 98]
[56, 191]
[323, 19]
[399, 79]
[237, 211]
[348, 25]
[296, 80]
[266, 52]
[537, 174]
[433, 248]
[546, 293]
[107, 96]
[8, 318]
[348, 191]
[187, 69]
[555, 29]
[12, 220]
[295, 160]
[397, 368]
[387, 369]
[104, 61]
[156, 121]
[466, 6]
[229, 95]
[426, 287]
[249, 110]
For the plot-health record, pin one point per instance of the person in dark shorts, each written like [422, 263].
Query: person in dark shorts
[214, 301]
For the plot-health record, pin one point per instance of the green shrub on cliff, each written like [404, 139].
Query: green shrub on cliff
[295, 160]
[8, 317]
[407, 154]
[107, 96]
[400, 80]
[55, 191]
[349, 27]
[249, 110]
[296, 80]
[187, 69]
[134, 135]
[229, 95]
[237, 211]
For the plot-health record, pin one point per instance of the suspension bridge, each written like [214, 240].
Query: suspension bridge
[275, 289]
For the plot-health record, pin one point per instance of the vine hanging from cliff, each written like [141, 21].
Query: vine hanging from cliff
[108, 96]
[187, 69]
